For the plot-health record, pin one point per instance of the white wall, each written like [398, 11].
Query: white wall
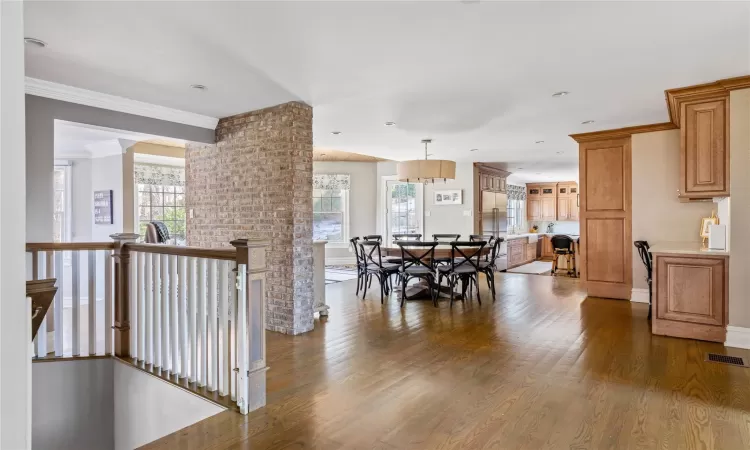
[451, 218]
[438, 219]
[147, 408]
[658, 215]
[82, 200]
[15, 363]
[106, 174]
[73, 405]
[362, 202]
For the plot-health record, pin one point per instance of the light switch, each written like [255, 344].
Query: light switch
[427, 214]
[467, 212]
[191, 213]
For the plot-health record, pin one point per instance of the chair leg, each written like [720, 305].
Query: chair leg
[364, 285]
[475, 279]
[492, 277]
[554, 264]
[359, 277]
[452, 284]
[403, 290]
[381, 280]
[433, 289]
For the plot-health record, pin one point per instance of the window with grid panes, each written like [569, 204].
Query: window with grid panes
[161, 196]
[330, 214]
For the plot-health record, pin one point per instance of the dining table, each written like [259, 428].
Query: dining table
[421, 289]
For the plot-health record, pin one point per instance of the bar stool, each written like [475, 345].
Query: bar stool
[563, 246]
[643, 252]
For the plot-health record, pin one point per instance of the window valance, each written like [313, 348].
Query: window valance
[516, 192]
[159, 175]
[331, 181]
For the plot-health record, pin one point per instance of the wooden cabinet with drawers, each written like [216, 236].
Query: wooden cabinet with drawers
[521, 251]
[552, 201]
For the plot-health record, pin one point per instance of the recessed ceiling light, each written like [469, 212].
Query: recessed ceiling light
[430, 154]
[199, 87]
[474, 150]
[335, 132]
[559, 153]
[539, 142]
[390, 124]
[35, 42]
[539, 173]
[586, 122]
[520, 168]
[560, 94]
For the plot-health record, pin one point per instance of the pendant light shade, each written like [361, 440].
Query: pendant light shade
[426, 170]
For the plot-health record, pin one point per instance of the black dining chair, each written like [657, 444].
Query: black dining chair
[488, 265]
[562, 245]
[407, 236]
[464, 267]
[375, 267]
[379, 238]
[444, 239]
[488, 238]
[643, 252]
[360, 262]
[418, 261]
[373, 237]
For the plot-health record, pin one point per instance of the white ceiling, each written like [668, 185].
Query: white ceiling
[477, 75]
[76, 140]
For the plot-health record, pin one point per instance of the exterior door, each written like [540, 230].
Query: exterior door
[606, 247]
[404, 208]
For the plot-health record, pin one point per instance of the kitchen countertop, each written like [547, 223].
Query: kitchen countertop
[518, 236]
[685, 248]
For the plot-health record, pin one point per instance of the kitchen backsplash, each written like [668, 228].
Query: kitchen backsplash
[562, 227]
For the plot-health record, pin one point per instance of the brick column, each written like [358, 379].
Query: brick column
[256, 182]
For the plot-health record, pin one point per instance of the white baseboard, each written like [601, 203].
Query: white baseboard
[345, 261]
[738, 337]
[639, 295]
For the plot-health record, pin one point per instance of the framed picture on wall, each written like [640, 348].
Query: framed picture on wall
[103, 208]
[449, 197]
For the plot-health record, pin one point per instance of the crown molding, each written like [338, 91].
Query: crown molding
[701, 92]
[57, 91]
[620, 133]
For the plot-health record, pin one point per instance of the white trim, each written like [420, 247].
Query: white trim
[737, 337]
[382, 222]
[80, 96]
[341, 261]
[639, 295]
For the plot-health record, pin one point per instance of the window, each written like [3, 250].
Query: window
[61, 215]
[331, 207]
[161, 196]
[516, 208]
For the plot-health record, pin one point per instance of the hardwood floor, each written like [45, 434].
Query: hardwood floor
[541, 368]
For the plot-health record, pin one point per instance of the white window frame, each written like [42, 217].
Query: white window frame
[67, 234]
[344, 243]
[382, 226]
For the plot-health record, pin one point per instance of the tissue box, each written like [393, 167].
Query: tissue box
[717, 237]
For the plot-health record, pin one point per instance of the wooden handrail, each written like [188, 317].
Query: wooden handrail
[41, 293]
[58, 246]
[210, 253]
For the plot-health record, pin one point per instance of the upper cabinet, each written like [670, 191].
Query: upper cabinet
[552, 201]
[704, 155]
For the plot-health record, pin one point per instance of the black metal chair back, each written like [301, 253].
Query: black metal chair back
[561, 243]
[371, 253]
[481, 237]
[466, 253]
[373, 237]
[446, 238]
[417, 253]
[643, 247]
[357, 254]
[495, 249]
[407, 236]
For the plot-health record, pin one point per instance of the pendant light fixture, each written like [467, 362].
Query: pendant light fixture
[426, 170]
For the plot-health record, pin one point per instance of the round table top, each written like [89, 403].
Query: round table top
[441, 251]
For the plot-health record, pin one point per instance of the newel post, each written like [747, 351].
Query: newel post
[251, 325]
[121, 257]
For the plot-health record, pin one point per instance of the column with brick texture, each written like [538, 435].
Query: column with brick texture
[256, 182]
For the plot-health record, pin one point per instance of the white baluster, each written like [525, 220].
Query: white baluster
[214, 344]
[92, 302]
[242, 344]
[42, 332]
[58, 306]
[174, 317]
[156, 342]
[223, 328]
[182, 308]
[134, 306]
[165, 365]
[201, 319]
[76, 303]
[148, 310]
[193, 336]
[142, 287]
[35, 276]
[232, 301]
[108, 318]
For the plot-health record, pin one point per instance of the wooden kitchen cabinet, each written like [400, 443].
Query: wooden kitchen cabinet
[552, 201]
[547, 250]
[690, 295]
[521, 251]
[531, 252]
[549, 210]
[533, 208]
[704, 149]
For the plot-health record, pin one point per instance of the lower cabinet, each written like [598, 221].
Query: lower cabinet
[547, 250]
[520, 252]
[690, 296]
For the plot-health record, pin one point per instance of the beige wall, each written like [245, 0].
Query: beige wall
[739, 214]
[658, 215]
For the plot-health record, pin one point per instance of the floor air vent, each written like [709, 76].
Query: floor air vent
[725, 359]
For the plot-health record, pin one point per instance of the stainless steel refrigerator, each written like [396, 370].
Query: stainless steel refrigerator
[495, 222]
